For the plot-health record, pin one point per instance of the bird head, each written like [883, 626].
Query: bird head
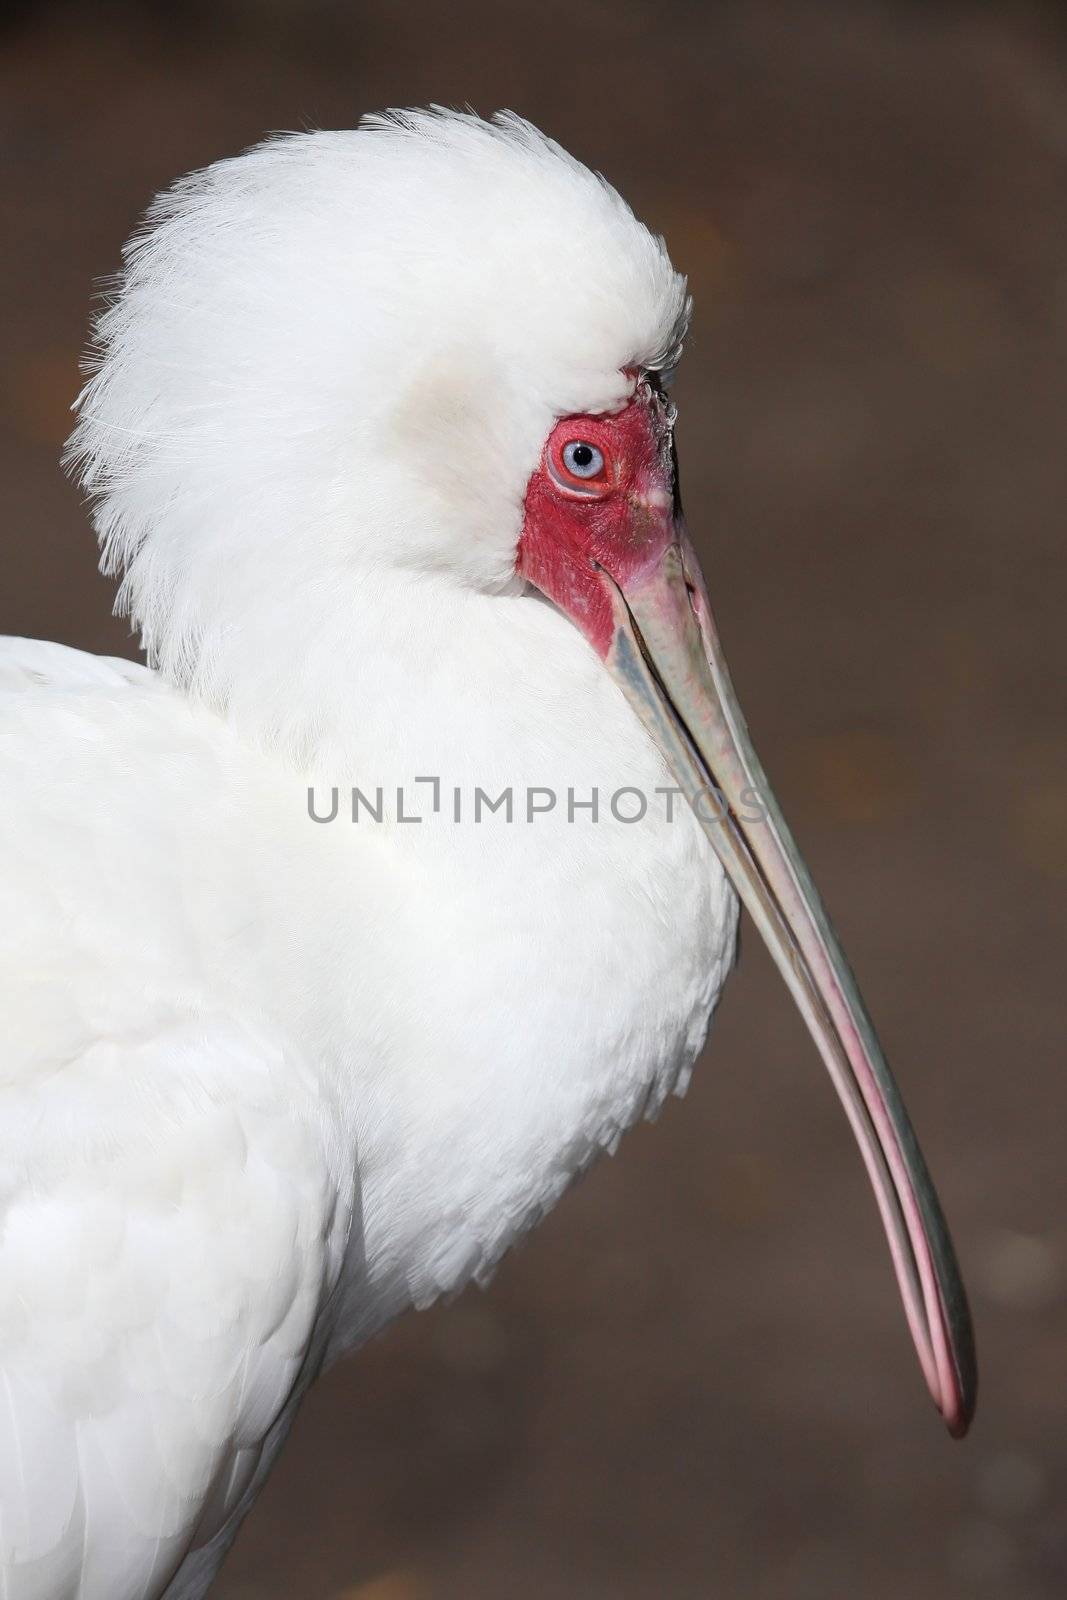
[337, 357]
[437, 350]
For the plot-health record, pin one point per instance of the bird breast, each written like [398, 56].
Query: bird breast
[523, 988]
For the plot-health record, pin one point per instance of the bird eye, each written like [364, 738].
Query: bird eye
[583, 460]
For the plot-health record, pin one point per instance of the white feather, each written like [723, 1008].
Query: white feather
[265, 1083]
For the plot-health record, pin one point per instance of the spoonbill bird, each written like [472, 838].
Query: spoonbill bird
[339, 938]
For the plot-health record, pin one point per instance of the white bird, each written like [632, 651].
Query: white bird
[377, 439]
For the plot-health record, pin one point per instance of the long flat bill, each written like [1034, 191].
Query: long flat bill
[666, 655]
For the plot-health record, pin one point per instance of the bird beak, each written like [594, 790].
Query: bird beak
[665, 653]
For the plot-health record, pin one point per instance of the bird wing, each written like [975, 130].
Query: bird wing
[173, 1213]
[170, 1236]
[39, 663]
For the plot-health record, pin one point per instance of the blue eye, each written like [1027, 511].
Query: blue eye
[582, 460]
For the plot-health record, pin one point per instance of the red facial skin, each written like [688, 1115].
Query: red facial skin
[622, 520]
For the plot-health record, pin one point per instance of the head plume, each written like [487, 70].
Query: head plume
[339, 354]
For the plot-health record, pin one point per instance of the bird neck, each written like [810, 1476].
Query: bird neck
[414, 678]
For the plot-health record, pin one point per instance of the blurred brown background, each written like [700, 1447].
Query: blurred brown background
[694, 1380]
